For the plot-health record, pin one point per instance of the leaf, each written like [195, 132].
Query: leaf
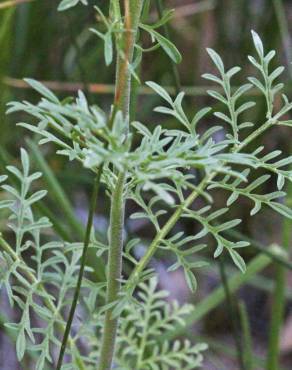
[219, 249]
[257, 182]
[160, 91]
[168, 47]
[24, 161]
[241, 90]
[269, 56]
[20, 345]
[108, 48]
[199, 115]
[276, 73]
[258, 44]
[223, 117]
[211, 77]
[191, 280]
[233, 71]
[237, 259]
[43, 90]
[233, 197]
[256, 208]
[217, 95]
[67, 4]
[227, 225]
[244, 107]
[280, 181]
[216, 59]
[282, 209]
[257, 84]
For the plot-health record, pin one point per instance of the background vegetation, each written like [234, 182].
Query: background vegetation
[37, 41]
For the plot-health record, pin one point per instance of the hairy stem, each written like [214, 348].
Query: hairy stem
[133, 10]
[114, 273]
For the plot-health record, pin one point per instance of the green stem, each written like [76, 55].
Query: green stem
[284, 31]
[177, 214]
[133, 11]
[280, 275]
[279, 300]
[247, 342]
[114, 273]
[232, 311]
[276, 319]
[254, 135]
[81, 270]
[165, 230]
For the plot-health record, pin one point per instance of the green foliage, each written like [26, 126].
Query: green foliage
[112, 27]
[83, 134]
[39, 286]
[67, 4]
[142, 326]
[143, 322]
[164, 173]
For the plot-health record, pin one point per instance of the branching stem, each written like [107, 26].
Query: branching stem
[177, 214]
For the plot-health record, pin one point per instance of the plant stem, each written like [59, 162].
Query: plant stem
[133, 10]
[82, 266]
[247, 342]
[114, 273]
[177, 214]
[284, 31]
[279, 300]
[166, 229]
[232, 311]
[254, 135]
[276, 319]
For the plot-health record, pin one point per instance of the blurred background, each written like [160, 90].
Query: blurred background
[38, 42]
